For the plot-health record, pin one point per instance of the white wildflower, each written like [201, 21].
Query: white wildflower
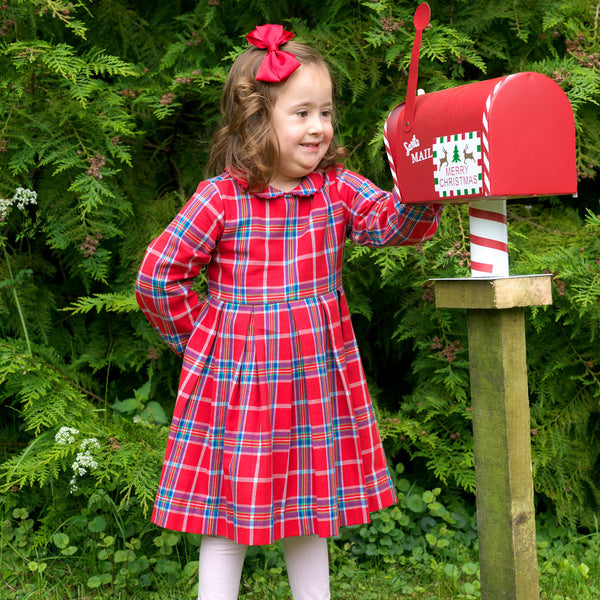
[65, 435]
[5, 206]
[83, 462]
[92, 442]
[23, 197]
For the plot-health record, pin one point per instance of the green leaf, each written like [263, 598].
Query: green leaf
[94, 581]
[415, 503]
[20, 513]
[584, 570]
[428, 497]
[97, 524]
[126, 406]
[61, 540]
[470, 568]
[451, 571]
[154, 412]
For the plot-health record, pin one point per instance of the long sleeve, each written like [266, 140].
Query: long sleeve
[379, 218]
[171, 263]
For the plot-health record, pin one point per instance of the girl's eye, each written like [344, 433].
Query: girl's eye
[326, 114]
[302, 114]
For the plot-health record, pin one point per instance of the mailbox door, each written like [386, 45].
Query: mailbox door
[532, 138]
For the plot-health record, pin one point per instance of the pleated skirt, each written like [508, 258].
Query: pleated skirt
[273, 433]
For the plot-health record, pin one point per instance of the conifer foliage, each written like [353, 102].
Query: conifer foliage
[106, 114]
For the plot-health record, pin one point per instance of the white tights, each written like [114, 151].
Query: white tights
[221, 562]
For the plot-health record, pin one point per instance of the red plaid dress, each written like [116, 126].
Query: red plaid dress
[273, 433]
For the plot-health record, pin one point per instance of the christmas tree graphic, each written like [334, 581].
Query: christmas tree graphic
[456, 155]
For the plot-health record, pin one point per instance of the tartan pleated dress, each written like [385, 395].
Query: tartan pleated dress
[273, 433]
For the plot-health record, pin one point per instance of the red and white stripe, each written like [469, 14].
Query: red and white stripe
[489, 238]
[388, 150]
[487, 217]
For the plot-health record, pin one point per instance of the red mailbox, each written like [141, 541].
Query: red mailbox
[482, 143]
[506, 137]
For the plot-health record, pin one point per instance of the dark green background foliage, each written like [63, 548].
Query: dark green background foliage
[107, 110]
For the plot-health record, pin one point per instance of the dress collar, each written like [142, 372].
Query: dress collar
[308, 186]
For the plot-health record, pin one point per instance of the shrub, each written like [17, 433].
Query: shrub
[107, 112]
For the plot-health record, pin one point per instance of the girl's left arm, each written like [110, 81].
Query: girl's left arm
[379, 218]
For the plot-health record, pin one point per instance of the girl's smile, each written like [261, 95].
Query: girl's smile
[302, 124]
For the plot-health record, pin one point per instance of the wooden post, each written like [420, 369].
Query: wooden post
[501, 426]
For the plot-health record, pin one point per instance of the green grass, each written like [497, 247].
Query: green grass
[422, 548]
[569, 570]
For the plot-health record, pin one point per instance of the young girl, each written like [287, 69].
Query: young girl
[273, 434]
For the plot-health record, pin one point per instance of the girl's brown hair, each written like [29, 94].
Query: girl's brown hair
[245, 142]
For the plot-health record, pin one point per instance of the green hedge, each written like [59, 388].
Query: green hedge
[106, 113]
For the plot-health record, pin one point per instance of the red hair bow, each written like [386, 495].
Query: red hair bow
[277, 65]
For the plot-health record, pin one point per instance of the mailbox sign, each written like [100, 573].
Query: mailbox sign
[457, 165]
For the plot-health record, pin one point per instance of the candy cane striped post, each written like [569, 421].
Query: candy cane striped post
[489, 238]
[487, 218]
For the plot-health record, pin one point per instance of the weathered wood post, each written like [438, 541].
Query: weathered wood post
[501, 426]
[482, 143]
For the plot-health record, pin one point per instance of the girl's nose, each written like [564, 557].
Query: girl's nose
[315, 125]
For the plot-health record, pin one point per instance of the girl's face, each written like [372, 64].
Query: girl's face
[302, 124]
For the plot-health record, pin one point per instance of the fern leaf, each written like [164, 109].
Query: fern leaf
[123, 302]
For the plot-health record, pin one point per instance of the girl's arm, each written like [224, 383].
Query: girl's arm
[379, 218]
[172, 261]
